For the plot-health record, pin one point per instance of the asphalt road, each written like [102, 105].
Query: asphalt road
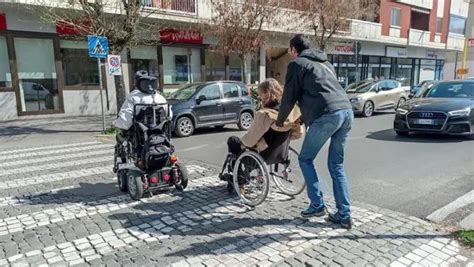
[415, 175]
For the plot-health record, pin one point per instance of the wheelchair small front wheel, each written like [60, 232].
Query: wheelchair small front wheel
[286, 176]
[251, 179]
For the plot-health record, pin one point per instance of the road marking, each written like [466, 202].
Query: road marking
[55, 165]
[58, 151]
[468, 222]
[192, 148]
[7, 152]
[32, 198]
[442, 213]
[22, 182]
[56, 158]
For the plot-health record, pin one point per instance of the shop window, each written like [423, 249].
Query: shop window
[181, 65]
[37, 74]
[215, 66]
[457, 24]
[395, 17]
[79, 69]
[145, 58]
[5, 75]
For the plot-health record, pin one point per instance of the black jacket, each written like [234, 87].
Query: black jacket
[311, 81]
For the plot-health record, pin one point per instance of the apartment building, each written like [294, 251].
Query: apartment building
[43, 72]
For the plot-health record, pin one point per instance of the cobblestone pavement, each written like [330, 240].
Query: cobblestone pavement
[60, 206]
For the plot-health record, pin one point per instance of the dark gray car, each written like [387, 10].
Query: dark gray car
[215, 104]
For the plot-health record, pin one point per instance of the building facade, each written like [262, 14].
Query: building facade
[454, 59]
[45, 72]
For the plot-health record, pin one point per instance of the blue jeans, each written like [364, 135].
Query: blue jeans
[336, 126]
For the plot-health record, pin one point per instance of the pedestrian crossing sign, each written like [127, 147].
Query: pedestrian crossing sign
[98, 46]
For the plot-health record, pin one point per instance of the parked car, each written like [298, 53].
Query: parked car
[419, 86]
[215, 104]
[371, 96]
[448, 108]
[423, 91]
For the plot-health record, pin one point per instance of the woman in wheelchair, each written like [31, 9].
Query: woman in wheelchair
[263, 136]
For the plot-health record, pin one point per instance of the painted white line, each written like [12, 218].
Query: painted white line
[192, 148]
[439, 251]
[58, 151]
[22, 182]
[52, 166]
[442, 213]
[59, 158]
[47, 147]
[468, 222]
[31, 197]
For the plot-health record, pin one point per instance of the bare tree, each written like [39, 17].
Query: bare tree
[238, 26]
[123, 22]
[328, 18]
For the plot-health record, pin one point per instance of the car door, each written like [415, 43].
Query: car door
[231, 101]
[209, 108]
[378, 95]
[394, 94]
[386, 95]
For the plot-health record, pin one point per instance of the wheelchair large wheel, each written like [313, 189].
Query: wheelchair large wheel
[251, 179]
[135, 185]
[286, 177]
[122, 180]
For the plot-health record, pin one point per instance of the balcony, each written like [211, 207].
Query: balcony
[188, 7]
[455, 42]
[428, 4]
[422, 38]
[366, 30]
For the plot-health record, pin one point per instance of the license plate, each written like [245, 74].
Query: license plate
[425, 121]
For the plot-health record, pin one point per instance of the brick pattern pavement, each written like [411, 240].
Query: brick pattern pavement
[60, 206]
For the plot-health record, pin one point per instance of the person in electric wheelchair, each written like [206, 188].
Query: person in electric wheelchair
[263, 136]
[144, 160]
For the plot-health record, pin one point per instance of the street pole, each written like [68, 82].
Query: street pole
[456, 67]
[101, 97]
[464, 57]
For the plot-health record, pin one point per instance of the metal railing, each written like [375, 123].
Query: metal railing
[180, 6]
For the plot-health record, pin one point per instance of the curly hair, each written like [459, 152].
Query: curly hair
[271, 86]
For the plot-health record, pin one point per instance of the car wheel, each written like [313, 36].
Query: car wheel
[368, 109]
[184, 127]
[401, 102]
[245, 120]
[400, 133]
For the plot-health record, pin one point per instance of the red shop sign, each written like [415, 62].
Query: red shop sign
[3, 21]
[344, 49]
[180, 36]
[72, 28]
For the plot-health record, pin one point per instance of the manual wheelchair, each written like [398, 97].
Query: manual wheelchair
[249, 172]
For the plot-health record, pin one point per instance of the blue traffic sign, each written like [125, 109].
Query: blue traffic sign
[98, 46]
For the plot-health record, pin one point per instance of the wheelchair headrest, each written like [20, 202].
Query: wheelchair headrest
[145, 83]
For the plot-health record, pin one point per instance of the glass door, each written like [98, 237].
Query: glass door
[38, 85]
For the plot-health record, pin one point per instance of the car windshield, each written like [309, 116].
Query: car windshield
[184, 93]
[453, 90]
[354, 85]
[362, 88]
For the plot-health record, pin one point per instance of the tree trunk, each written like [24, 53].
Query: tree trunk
[227, 68]
[242, 69]
[119, 91]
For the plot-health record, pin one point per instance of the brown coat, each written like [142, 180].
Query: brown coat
[264, 120]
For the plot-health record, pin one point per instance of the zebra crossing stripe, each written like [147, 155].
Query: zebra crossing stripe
[22, 182]
[7, 152]
[55, 158]
[56, 151]
[31, 198]
[56, 165]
